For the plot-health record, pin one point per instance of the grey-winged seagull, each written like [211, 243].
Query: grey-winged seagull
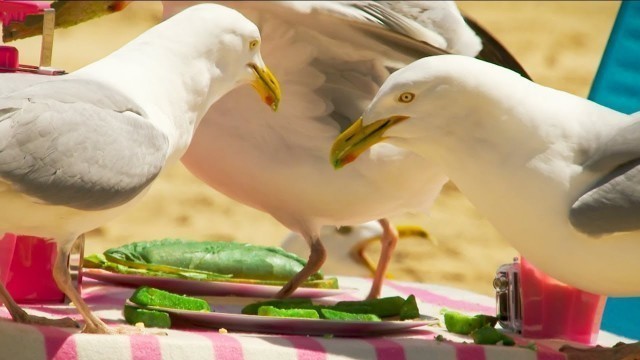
[78, 150]
[331, 57]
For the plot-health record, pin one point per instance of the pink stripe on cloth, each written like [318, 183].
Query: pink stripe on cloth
[308, 348]
[429, 297]
[387, 349]
[225, 347]
[145, 347]
[468, 351]
[59, 343]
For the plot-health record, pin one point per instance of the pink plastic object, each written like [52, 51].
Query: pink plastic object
[551, 309]
[8, 58]
[26, 264]
[18, 10]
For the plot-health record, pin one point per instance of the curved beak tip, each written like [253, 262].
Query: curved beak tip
[267, 86]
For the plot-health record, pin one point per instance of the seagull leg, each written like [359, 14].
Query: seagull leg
[358, 253]
[21, 316]
[316, 259]
[62, 276]
[389, 240]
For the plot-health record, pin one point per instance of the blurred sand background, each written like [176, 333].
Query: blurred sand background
[558, 43]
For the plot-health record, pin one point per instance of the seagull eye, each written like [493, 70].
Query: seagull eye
[406, 97]
[253, 44]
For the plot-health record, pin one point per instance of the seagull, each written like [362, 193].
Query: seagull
[555, 173]
[347, 245]
[79, 149]
[332, 57]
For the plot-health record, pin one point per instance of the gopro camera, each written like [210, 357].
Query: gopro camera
[508, 296]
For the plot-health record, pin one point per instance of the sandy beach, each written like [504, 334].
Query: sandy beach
[559, 43]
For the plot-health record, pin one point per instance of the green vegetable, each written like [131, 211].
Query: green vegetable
[207, 260]
[252, 309]
[383, 307]
[218, 257]
[340, 315]
[409, 309]
[458, 323]
[150, 318]
[366, 310]
[147, 296]
[488, 335]
[288, 313]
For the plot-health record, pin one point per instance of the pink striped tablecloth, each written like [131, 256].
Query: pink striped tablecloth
[26, 342]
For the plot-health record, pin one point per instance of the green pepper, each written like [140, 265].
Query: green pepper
[409, 309]
[150, 318]
[383, 307]
[458, 323]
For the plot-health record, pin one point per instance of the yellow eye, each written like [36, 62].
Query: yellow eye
[406, 97]
[253, 44]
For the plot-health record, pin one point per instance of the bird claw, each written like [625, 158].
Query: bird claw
[66, 322]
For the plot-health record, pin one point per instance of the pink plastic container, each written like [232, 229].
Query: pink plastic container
[551, 309]
[8, 58]
[26, 264]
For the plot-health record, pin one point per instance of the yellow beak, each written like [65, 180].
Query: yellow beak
[266, 85]
[358, 138]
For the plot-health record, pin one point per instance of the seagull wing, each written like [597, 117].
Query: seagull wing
[68, 142]
[612, 204]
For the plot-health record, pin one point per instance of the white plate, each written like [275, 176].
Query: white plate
[232, 319]
[206, 287]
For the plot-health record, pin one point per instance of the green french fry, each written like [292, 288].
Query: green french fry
[288, 313]
[252, 309]
[148, 296]
[340, 315]
[150, 318]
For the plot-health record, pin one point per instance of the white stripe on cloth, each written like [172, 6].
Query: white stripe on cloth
[15, 339]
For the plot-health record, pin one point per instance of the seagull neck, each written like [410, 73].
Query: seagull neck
[170, 79]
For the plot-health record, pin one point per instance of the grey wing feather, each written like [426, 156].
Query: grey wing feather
[612, 204]
[77, 143]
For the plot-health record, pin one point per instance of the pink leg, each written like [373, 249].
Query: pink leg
[389, 241]
[316, 259]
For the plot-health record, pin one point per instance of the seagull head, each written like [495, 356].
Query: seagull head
[236, 50]
[430, 101]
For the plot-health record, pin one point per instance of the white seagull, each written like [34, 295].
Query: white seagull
[331, 57]
[558, 175]
[77, 150]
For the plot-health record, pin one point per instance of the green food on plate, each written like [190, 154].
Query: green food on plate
[365, 310]
[288, 313]
[207, 260]
[345, 316]
[409, 309]
[148, 296]
[150, 318]
[294, 303]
